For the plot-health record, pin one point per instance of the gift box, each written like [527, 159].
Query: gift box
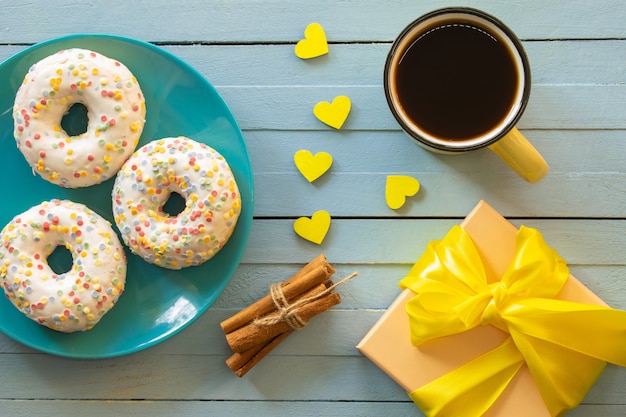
[516, 361]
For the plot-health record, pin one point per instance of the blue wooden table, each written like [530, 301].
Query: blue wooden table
[576, 118]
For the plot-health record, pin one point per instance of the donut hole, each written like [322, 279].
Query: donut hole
[60, 260]
[75, 120]
[174, 205]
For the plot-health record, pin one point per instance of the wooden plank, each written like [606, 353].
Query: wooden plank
[585, 62]
[440, 194]
[218, 408]
[550, 107]
[343, 21]
[596, 242]
[377, 284]
[565, 62]
[192, 378]
[142, 408]
[184, 377]
[384, 152]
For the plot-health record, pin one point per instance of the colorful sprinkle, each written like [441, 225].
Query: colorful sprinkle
[43, 99]
[34, 288]
[146, 182]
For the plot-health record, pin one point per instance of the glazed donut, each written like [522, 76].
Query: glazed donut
[115, 109]
[212, 202]
[77, 299]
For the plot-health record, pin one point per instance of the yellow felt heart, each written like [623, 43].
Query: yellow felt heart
[312, 166]
[314, 43]
[333, 114]
[398, 188]
[313, 229]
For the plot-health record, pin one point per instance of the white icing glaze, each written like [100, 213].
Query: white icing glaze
[77, 299]
[201, 176]
[115, 107]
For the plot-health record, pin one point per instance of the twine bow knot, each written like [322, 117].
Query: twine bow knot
[288, 312]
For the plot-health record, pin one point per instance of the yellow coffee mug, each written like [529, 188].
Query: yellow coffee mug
[458, 79]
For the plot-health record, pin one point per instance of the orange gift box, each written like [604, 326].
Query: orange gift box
[388, 343]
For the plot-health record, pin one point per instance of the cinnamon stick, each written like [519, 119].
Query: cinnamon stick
[242, 362]
[251, 335]
[254, 331]
[312, 274]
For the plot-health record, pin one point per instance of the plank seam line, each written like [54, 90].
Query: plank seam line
[330, 42]
[122, 400]
[269, 218]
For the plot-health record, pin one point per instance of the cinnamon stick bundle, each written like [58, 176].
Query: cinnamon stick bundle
[314, 273]
[253, 334]
[254, 331]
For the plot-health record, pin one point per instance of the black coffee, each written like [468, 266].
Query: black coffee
[456, 81]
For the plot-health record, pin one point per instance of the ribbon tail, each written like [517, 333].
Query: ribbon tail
[551, 333]
[563, 377]
[470, 390]
[591, 330]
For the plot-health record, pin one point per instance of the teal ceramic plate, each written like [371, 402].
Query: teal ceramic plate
[157, 303]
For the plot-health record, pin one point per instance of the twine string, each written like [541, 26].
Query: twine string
[288, 313]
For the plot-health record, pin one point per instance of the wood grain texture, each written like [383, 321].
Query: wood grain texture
[585, 61]
[144, 408]
[550, 107]
[597, 242]
[576, 118]
[149, 408]
[206, 377]
[278, 21]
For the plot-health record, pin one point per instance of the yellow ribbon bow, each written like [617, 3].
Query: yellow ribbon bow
[565, 344]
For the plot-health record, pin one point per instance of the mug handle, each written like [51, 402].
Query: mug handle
[521, 156]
